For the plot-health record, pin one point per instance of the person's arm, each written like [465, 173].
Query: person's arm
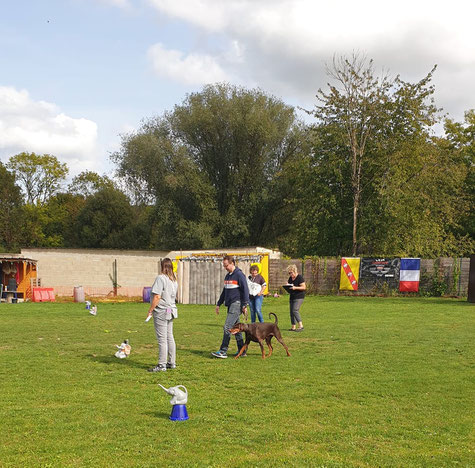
[263, 286]
[155, 301]
[301, 287]
[220, 301]
[244, 289]
[156, 292]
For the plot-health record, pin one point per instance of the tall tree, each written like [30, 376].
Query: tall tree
[38, 227]
[104, 220]
[62, 210]
[461, 143]
[87, 183]
[10, 209]
[371, 113]
[157, 170]
[230, 142]
[357, 102]
[419, 202]
[40, 176]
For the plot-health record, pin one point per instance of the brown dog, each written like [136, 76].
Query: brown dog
[259, 332]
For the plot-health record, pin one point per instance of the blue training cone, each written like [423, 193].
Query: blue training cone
[179, 413]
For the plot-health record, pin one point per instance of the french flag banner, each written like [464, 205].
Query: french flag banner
[409, 274]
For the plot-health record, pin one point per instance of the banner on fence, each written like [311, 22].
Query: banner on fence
[410, 274]
[376, 272]
[350, 273]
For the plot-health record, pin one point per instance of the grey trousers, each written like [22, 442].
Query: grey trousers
[295, 305]
[234, 312]
[165, 339]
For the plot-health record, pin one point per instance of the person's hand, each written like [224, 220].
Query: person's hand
[244, 312]
[217, 310]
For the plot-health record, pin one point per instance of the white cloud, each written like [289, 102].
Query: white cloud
[310, 24]
[124, 4]
[284, 44]
[192, 69]
[207, 14]
[40, 127]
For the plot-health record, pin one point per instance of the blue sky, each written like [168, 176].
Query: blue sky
[75, 74]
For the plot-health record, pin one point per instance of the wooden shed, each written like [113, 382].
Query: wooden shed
[17, 270]
[200, 275]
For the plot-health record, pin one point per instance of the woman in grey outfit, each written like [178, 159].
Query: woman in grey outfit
[164, 311]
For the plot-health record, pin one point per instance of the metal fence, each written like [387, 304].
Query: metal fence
[441, 276]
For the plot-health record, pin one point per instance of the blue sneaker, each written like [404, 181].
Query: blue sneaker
[220, 354]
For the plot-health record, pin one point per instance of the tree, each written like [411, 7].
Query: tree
[36, 227]
[87, 183]
[40, 176]
[157, 170]
[461, 142]
[420, 201]
[372, 116]
[315, 212]
[104, 220]
[10, 209]
[62, 210]
[358, 107]
[211, 161]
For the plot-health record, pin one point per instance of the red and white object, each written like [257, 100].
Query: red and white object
[409, 274]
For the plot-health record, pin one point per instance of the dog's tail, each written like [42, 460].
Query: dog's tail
[276, 319]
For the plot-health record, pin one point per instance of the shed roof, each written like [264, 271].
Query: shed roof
[11, 257]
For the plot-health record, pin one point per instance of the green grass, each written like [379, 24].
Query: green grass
[371, 382]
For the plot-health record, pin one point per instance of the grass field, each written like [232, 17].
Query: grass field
[371, 382]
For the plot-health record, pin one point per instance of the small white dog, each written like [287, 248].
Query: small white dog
[124, 350]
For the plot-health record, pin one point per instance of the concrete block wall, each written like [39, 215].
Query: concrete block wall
[63, 269]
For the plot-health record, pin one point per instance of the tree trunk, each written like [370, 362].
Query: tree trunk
[356, 186]
[355, 222]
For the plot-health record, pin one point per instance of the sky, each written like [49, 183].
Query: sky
[75, 75]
